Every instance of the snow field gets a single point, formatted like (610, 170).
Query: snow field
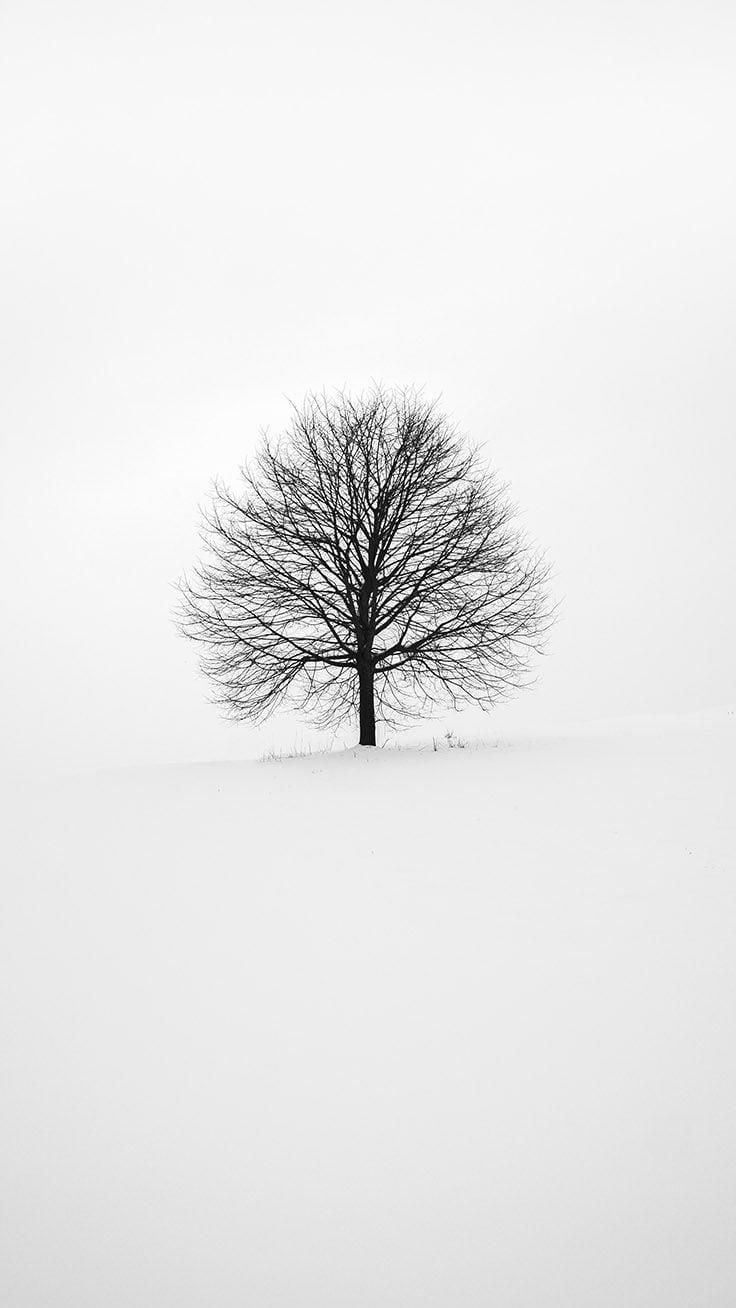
(378, 1029)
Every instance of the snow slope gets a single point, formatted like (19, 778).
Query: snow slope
(381, 1029)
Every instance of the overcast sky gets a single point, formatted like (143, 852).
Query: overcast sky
(207, 208)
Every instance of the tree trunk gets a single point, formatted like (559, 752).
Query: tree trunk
(367, 706)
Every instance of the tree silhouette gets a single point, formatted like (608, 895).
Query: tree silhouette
(367, 566)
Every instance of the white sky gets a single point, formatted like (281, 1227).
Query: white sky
(209, 207)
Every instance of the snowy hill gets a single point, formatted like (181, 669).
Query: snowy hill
(378, 1029)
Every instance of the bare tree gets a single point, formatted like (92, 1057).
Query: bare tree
(367, 566)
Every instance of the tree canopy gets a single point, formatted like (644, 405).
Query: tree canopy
(368, 566)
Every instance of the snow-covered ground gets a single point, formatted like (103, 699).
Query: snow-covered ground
(378, 1029)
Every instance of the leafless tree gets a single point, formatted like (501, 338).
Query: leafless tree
(367, 566)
